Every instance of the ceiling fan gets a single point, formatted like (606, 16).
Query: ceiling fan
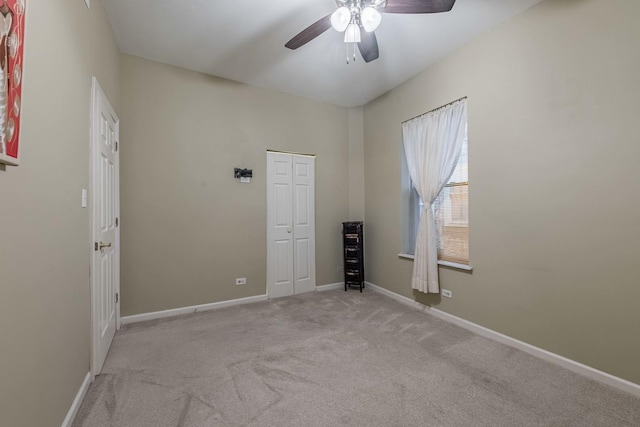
(352, 16)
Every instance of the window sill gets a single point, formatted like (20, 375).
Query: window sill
(455, 265)
(443, 263)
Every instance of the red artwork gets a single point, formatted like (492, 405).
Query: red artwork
(11, 55)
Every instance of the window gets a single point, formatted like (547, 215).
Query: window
(452, 213)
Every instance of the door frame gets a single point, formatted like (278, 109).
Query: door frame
(96, 95)
(270, 255)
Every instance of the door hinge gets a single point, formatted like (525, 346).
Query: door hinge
(116, 145)
(117, 221)
(117, 297)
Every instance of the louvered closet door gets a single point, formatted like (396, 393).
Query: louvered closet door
(290, 224)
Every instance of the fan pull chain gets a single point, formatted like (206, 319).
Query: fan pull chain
(349, 54)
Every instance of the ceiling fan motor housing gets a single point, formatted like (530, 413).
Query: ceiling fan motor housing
(361, 4)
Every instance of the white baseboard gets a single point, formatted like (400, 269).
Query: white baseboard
(404, 300)
(75, 406)
(330, 287)
(572, 365)
(126, 320)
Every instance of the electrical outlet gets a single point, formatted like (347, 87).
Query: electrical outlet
(447, 293)
(341, 269)
(241, 281)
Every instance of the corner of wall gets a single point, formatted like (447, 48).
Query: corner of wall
(356, 163)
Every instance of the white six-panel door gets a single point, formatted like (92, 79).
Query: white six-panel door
(279, 225)
(290, 224)
(304, 248)
(105, 266)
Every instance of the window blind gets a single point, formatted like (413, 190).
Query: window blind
(452, 214)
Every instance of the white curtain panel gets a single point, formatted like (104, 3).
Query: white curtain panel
(432, 144)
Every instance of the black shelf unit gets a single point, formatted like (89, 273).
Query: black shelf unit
(353, 242)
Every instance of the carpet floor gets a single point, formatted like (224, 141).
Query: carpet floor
(335, 358)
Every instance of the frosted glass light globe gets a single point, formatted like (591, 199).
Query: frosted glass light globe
(352, 35)
(370, 19)
(340, 19)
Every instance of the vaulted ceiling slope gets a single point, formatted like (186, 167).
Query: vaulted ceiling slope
(243, 40)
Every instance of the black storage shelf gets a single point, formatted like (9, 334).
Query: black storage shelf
(352, 238)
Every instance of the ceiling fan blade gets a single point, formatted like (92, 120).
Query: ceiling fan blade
(310, 33)
(368, 46)
(418, 6)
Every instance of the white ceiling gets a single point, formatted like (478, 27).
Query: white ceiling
(243, 40)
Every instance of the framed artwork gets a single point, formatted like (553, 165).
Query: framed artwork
(11, 55)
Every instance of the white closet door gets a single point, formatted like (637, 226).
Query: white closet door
(279, 221)
(290, 224)
(304, 253)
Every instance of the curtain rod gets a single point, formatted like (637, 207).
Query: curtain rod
(435, 109)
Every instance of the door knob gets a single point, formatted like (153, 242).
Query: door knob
(289, 230)
(104, 245)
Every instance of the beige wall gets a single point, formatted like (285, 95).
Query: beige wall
(188, 227)
(44, 249)
(554, 178)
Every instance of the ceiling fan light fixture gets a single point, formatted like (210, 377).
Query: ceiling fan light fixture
(352, 34)
(370, 19)
(355, 14)
(340, 19)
